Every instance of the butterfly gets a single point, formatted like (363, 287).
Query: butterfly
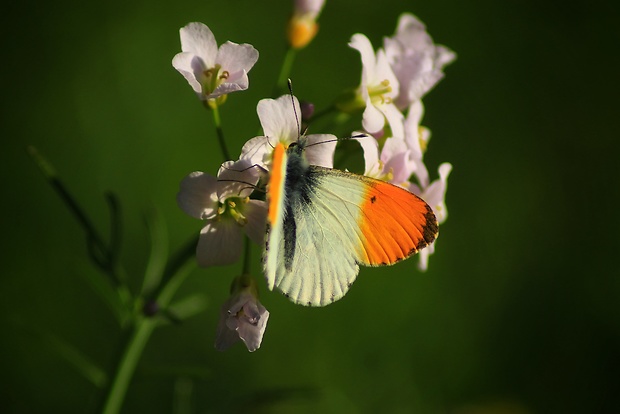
(323, 223)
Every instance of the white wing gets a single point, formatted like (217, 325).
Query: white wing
(322, 264)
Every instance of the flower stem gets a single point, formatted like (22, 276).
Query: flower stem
(247, 255)
(176, 273)
(285, 71)
(220, 133)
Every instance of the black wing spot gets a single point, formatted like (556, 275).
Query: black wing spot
(373, 199)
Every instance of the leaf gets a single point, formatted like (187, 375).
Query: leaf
(114, 298)
(189, 306)
(159, 252)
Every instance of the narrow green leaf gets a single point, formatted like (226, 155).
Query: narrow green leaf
(189, 306)
(159, 252)
(80, 362)
(114, 298)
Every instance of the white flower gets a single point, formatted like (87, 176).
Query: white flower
(280, 122)
(224, 204)
(210, 71)
(378, 89)
(435, 196)
(242, 317)
(416, 139)
(416, 61)
(393, 164)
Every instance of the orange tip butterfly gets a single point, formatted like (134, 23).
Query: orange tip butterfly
(322, 223)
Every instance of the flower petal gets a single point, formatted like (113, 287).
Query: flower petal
(252, 334)
(363, 45)
(185, 63)
(198, 39)
(424, 255)
(370, 147)
(236, 58)
(256, 213)
(236, 179)
(372, 120)
(395, 119)
(257, 151)
(395, 156)
(220, 243)
(278, 118)
(197, 196)
(435, 194)
(225, 337)
(320, 149)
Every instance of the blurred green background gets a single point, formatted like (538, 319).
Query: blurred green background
(518, 312)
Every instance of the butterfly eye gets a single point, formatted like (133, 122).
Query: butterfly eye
(292, 145)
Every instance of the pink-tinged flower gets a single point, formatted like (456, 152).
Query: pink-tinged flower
(416, 140)
(302, 26)
(378, 89)
(435, 196)
(393, 164)
(210, 71)
(416, 61)
(242, 316)
(224, 204)
(280, 121)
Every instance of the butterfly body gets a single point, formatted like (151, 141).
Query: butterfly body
(323, 223)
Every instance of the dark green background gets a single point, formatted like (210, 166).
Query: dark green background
(518, 312)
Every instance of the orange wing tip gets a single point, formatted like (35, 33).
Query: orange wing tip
(430, 231)
(396, 224)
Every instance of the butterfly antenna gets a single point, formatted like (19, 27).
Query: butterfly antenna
(290, 90)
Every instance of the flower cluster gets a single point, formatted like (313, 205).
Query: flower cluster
(393, 81)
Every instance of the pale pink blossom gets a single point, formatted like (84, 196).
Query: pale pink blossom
(415, 59)
(393, 164)
(378, 89)
(224, 204)
(280, 121)
(242, 316)
(435, 197)
(213, 72)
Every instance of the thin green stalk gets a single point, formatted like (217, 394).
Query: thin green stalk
(247, 256)
(142, 330)
(220, 133)
(285, 71)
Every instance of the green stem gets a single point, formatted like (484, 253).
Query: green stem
(142, 331)
(285, 71)
(247, 255)
(220, 132)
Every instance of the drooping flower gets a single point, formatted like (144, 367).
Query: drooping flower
(242, 316)
(435, 196)
(416, 61)
(280, 121)
(302, 26)
(224, 204)
(211, 72)
(378, 89)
